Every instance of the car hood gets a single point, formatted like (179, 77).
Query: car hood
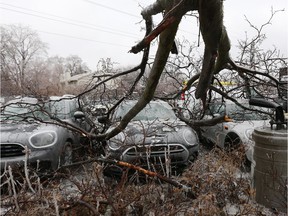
(152, 127)
(11, 132)
(244, 125)
(153, 132)
(17, 128)
(15, 133)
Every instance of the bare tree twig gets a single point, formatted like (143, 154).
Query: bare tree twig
(134, 167)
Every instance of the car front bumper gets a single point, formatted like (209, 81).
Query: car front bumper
(35, 158)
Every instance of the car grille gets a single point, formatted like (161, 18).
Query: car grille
(176, 152)
(154, 150)
(11, 150)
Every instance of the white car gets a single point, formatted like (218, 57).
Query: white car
(239, 130)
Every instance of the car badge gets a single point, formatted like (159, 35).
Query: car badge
(156, 140)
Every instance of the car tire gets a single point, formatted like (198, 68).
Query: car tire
(66, 156)
(207, 143)
(193, 157)
(232, 142)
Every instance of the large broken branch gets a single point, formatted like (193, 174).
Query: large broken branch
(195, 124)
(170, 17)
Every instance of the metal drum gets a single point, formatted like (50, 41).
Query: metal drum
(270, 174)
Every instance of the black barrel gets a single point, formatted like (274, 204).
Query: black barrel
(270, 174)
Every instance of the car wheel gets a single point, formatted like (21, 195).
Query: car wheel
(66, 156)
(207, 143)
(232, 141)
(246, 166)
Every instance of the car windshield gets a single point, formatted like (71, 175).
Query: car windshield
(19, 111)
(154, 110)
(237, 113)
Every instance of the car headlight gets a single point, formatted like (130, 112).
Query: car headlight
(190, 137)
(43, 139)
(117, 141)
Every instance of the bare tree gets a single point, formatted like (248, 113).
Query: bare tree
(20, 46)
(55, 67)
(75, 65)
(25, 69)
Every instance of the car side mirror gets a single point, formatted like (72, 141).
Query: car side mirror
(79, 115)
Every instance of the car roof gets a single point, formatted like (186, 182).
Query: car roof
(133, 102)
(33, 100)
(62, 97)
(28, 100)
(152, 101)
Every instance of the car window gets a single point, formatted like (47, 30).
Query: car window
(151, 112)
(22, 109)
(19, 111)
(239, 114)
(236, 112)
(62, 109)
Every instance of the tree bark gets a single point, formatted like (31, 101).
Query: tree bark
(165, 45)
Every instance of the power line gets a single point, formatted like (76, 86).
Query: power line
(113, 9)
(124, 12)
(79, 38)
(93, 27)
(64, 35)
(82, 24)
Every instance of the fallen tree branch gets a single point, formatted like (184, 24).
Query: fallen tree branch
(174, 14)
(206, 122)
(149, 173)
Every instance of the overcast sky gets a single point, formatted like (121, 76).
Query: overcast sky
(94, 29)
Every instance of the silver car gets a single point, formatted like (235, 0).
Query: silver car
(43, 134)
(153, 137)
(231, 134)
